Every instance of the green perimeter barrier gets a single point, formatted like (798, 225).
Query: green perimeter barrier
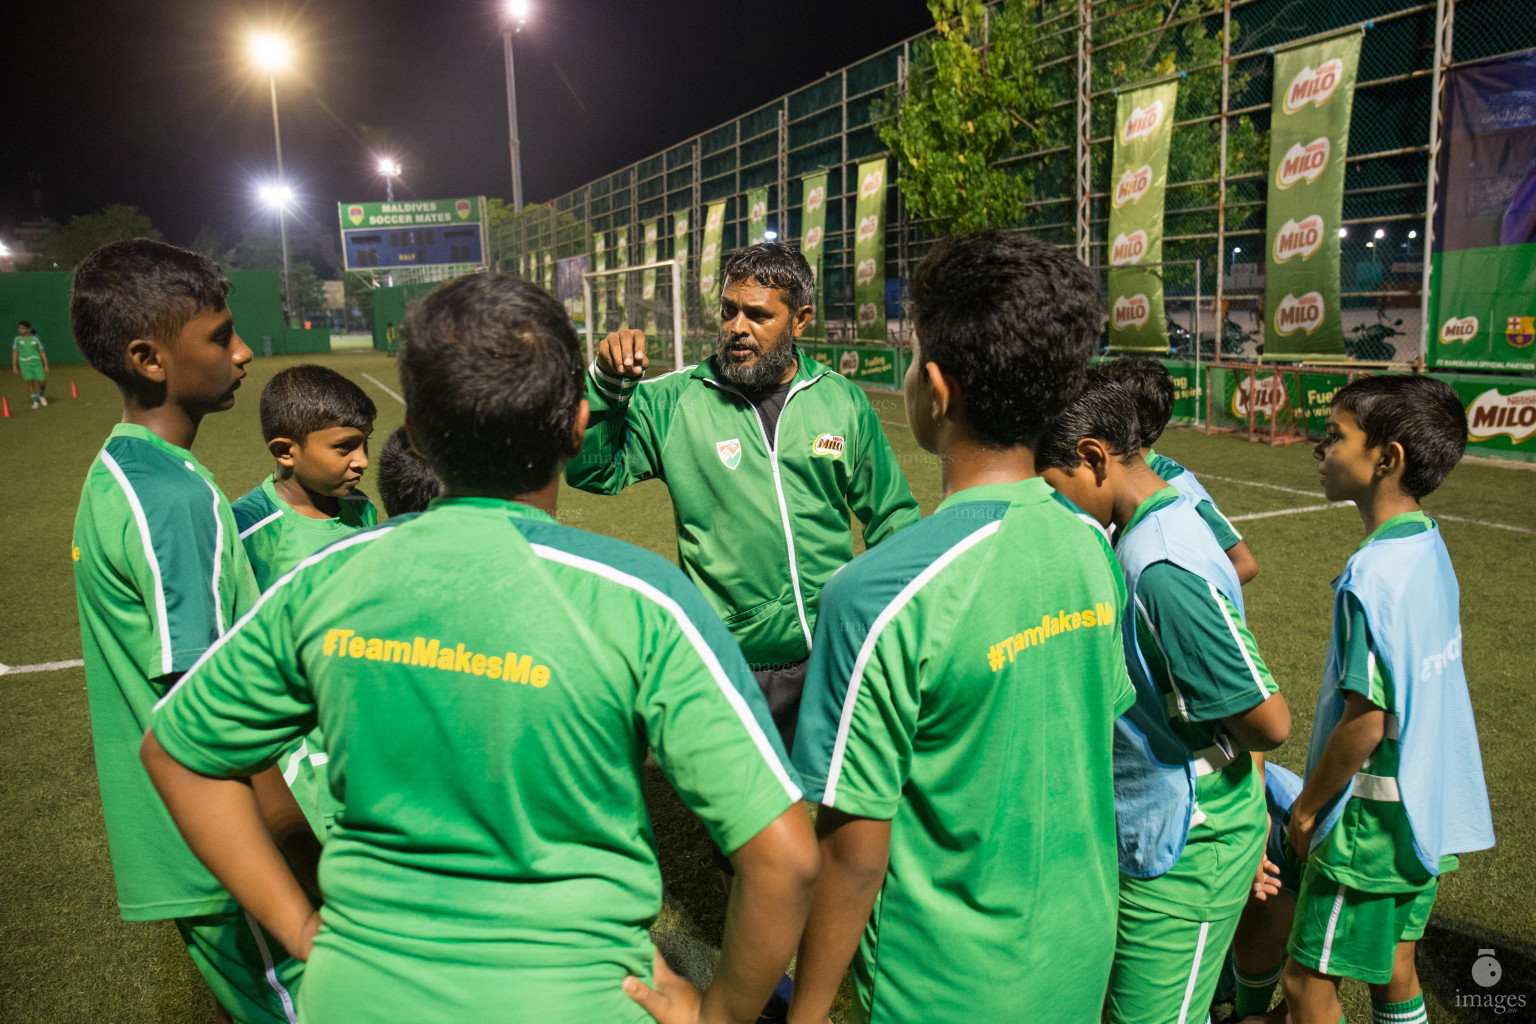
(299, 340)
(42, 298)
(1501, 410)
(389, 307)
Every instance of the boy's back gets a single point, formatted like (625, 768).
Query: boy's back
(489, 682)
(158, 576)
(968, 676)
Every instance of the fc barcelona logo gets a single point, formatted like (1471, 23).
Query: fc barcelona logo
(1520, 331)
(729, 452)
(462, 209)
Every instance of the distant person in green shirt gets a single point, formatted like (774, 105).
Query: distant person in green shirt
(391, 338)
(29, 360)
(159, 576)
(966, 677)
(1151, 386)
(406, 482)
(489, 683)
(316, 424)
(1189, 786)
(1394, 787)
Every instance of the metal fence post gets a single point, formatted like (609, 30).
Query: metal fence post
(1197, 336)
(1221, 191)
(1084, 126)
(1445, 17)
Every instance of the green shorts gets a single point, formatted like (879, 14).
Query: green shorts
(31, 369)
(1346, 933)
(1166, 968)
(251, 974)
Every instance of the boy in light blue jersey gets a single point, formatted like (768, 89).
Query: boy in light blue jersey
(1394, 786)
(1151, 386)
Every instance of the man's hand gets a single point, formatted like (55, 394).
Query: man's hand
(674, 1000)
(303, 944)
(1300, 832)
(622, 354)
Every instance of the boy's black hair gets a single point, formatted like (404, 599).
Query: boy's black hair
(1420, 413)
(1151, 386)
(138, 288)
(1102, 410)
(24, 323)
(773, 265)
(405, 482)
(1014, 321)
(303, 399)
(491, 370)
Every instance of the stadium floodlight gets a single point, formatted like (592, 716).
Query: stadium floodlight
(3, 250)
(278, 196)
(517, 15)
(270, 51)
(390, 169)
(1381, 233)
(1343, 232)
(770, 235)
(517, 10)
(1236, 249)
(1370, 245)
(1413, 234)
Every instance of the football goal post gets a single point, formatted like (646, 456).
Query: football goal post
(636, 299)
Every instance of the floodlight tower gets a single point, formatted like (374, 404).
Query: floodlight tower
(271, 53)
(390, 169)
(516, 16)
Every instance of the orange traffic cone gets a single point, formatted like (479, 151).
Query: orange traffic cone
(5, 408)
(73, 393)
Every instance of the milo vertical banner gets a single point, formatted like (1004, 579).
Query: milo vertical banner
(813, 223)
(549, 271)
(648, 277)
(1309, 137)
(621, 260)
(869, 251)
(599, 322)
(680, 247)
(757, 216)
(709, 259)
(1143, 130)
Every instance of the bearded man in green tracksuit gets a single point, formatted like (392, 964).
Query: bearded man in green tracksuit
(765, 452)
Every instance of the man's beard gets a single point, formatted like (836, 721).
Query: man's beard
(766, 371)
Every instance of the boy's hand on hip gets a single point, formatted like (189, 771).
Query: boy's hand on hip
(622, 354)
(1300, 832)
(674, 1000)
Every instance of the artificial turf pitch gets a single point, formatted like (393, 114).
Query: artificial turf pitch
(66, 957)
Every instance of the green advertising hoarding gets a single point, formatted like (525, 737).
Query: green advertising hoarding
(648, 277)
(813, 224)
(709, 259)
(757, 216)
(876, 366)
(869, 251)
(599, 322)
(1484, 308)
(1143, 130)
(1314, 90)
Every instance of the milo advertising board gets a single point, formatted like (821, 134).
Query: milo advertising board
(876, 366)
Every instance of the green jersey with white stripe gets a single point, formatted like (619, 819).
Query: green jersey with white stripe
(1226, 534)
(1371, 847)
(277, 537)
(27, 348)
(1206, 664)
(488, 683)
(159, 575)
(964, 685)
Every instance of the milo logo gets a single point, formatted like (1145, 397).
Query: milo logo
(1492, 414)
(1299, 239)
(680, 228)
(818, 195)
(706, 283)
(710, 251)
(830, 445)
(867, 314)
(1133, 184)
(864, 272)
(1259, 397)
(714, 219)
(1128, 248)
(759, 211)
(1130, 311)
(651, 232)
(868, 226)
(1299, 314)
(355, 214)
(848, 364)
(1143, 121)
(1459, 329)
(813, 237)
(1303, 163)
(461, 208)
(1314, 85)
(870, 186)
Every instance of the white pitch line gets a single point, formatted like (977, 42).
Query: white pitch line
(1259, 483)
(47, 666)
(1290, 511)
(1484, 522)
(1313, 494)
(387, 390)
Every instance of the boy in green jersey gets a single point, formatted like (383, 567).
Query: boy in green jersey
(316, 424)
(965, 680)
(1394, 787)
(1189, 797)
(159, 576)
(488, 683)
(29, 360)
(1149, 383)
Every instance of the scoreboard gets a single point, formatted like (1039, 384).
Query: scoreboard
(412, 233)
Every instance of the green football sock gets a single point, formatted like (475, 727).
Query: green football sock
(1255, 991)
(1409, 1011)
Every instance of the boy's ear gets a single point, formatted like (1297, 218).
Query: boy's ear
(146, 357)
(282, 449)
(578, 430)
(1391, 461)
(945, 391)
(1096, 456)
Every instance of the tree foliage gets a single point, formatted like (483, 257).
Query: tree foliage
(87, 232)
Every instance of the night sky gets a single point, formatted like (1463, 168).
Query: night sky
(154, 103)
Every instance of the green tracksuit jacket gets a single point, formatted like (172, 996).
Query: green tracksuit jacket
(759, 530)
